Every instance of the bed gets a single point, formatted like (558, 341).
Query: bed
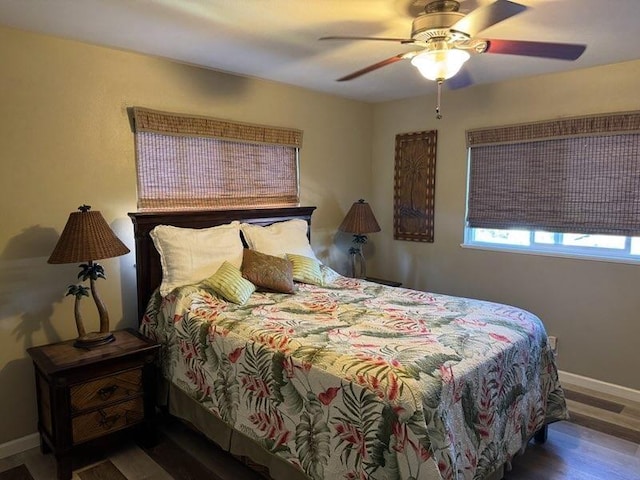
(346, 378)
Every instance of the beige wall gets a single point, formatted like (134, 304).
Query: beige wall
(592, 307)
(65, 140)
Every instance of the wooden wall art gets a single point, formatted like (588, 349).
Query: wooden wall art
(415, 186)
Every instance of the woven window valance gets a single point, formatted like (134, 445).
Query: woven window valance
(176, 124)
(578, 175)
(192, 162)
(593, 125)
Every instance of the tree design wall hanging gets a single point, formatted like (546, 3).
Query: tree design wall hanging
(415, 186)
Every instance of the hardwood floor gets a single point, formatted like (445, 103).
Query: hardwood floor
(602, 442)
(574, 452)
(618, 417)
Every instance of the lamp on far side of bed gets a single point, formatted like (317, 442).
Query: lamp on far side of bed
(87, 237)
(359, 220)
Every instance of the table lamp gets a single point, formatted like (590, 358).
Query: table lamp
(359, 221)
(87, 237)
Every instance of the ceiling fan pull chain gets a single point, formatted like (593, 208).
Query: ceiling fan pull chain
(438, 114)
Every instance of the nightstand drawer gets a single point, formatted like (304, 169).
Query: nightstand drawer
(106, 390)
(106, 420)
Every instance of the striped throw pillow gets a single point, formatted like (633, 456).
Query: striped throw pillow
(305, 269)
(229, 284)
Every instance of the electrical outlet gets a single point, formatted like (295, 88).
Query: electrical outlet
(553, 343)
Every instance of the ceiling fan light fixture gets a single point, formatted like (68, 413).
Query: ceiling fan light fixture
(438, 65)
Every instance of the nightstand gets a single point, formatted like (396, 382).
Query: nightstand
(382, 281)
(86, 394)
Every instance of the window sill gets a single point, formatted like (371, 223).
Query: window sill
(546, 253)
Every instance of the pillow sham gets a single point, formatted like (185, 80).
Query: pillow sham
(279, 238)
(188, 255)
(268, 272)
(306, 270)
(229, 284)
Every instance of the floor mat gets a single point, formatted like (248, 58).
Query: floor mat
(103, 471)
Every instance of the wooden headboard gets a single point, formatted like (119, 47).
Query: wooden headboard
(148, 267)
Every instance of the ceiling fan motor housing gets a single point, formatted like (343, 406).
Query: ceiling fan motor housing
(434, 25)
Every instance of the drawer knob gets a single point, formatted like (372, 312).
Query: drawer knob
(106, 392)
(107, 422)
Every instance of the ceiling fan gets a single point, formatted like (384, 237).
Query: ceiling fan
(446, 38)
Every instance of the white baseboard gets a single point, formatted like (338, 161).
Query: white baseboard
(19, 445)
(599, 386)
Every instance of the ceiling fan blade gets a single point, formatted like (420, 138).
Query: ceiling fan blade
(381, 39)
(484, 17)
(560, 51)
(461, 79)
(373, 67)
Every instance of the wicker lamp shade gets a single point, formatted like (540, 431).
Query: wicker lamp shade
(86, 237)
(359, 219)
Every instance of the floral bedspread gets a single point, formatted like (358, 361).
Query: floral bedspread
(359, 380)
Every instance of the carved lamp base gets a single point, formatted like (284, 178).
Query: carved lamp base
(94, 339)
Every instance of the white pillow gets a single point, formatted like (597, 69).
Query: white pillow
(279, 238)
(189, 255)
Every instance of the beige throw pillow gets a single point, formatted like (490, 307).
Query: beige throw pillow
(279, 238)
(189, 255)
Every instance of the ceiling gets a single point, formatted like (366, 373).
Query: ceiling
(278, 39)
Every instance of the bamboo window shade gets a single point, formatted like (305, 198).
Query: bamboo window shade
(574, 175)
(192, 162)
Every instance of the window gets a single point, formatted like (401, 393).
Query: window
(612, 247)
(568, 186)
(187, 162)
